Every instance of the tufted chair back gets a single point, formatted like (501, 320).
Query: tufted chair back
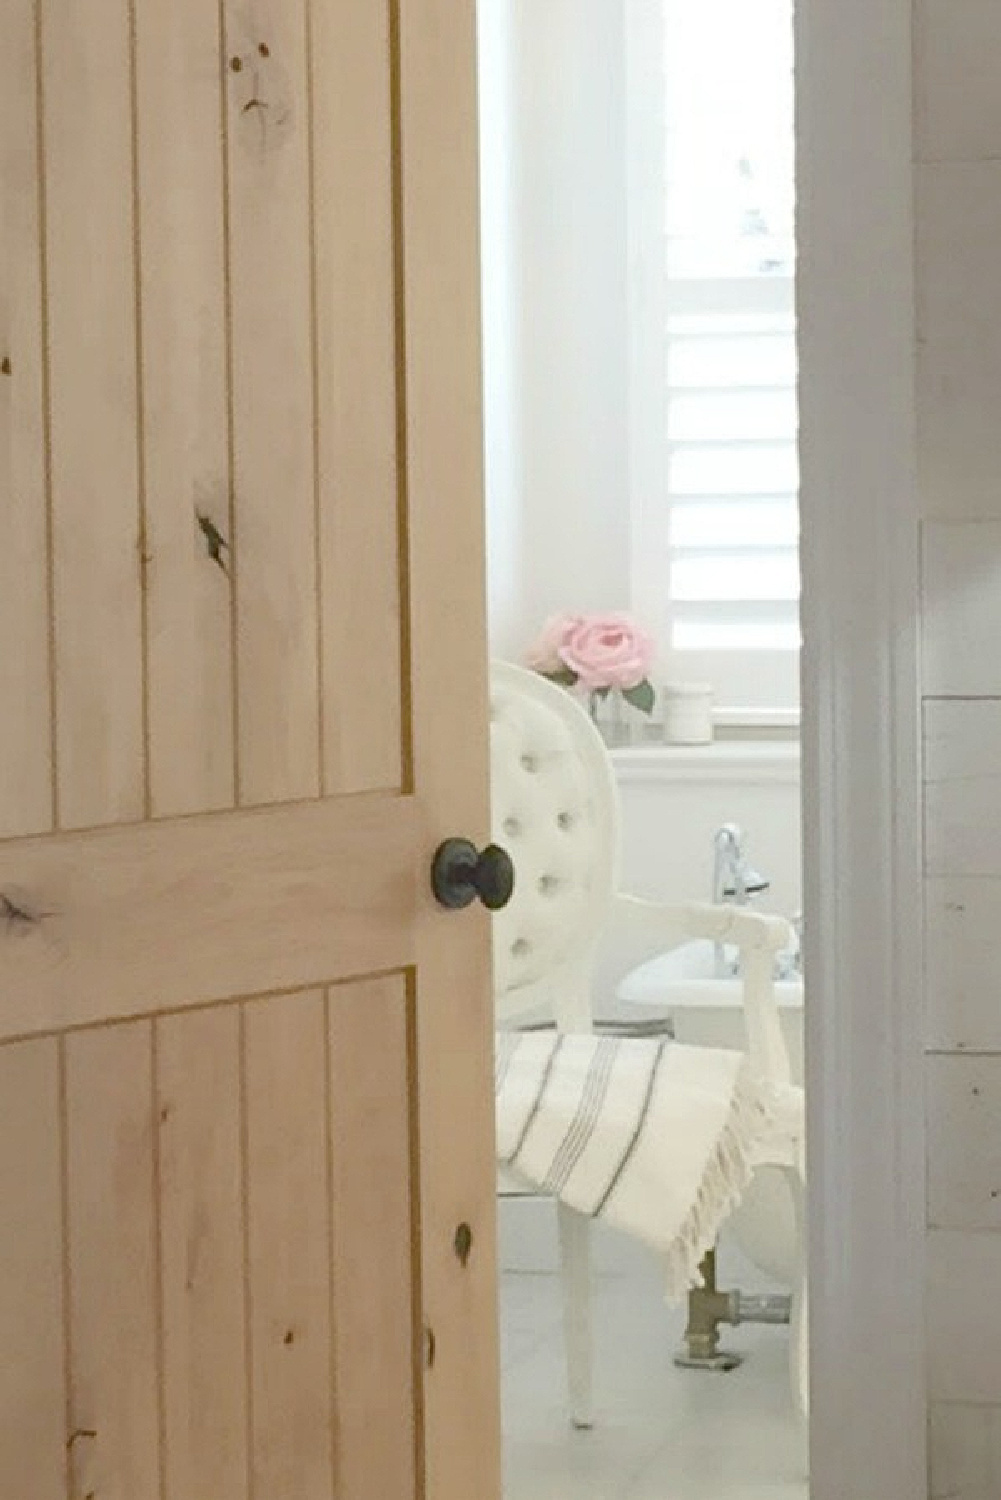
(555, 810)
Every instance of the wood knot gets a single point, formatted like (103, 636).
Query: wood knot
(463, 1243)
(215, 543)
(17, 915)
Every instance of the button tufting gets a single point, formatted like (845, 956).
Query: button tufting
(565, 820)
(512, 827)
(519, 947)
(548, 885)
(530, 762)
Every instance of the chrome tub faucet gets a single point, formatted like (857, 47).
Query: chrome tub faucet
(735, 880)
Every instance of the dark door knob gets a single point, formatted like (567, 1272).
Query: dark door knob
(460, 873)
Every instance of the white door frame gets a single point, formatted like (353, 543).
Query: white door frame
(861, 750)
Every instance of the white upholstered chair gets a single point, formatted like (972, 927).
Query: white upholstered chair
(555, 810)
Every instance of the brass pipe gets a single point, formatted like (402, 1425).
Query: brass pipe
(709, 1309)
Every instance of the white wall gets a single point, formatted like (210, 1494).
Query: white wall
(673, 801)
(958, 188)
(555, 329)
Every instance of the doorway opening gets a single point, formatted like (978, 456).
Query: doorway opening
(641, 441)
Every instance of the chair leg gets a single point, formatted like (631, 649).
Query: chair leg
(574, 1232)
(799, 1351)
(799, 1342)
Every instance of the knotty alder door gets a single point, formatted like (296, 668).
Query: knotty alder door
(245, 1098)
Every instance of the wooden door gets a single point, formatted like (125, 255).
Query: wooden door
(245, 1098)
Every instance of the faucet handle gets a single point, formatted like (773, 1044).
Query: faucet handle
(729, 835)
(746, 882)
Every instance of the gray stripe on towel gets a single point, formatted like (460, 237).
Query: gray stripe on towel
(634, 1139)
(582, 1126)
(506, 1044)
(510, 1161)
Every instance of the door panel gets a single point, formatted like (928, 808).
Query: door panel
(362, 487)
(271, 291)
(372, 1105)
(181, 173)
(110, 1250)
(94, 413)
(197, 1116)
(288, 1244)
(25, 706)
(32, 1392)
(237, 1239)
(245, 1060)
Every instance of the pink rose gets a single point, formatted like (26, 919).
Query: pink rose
(544, 655)
(607, 651)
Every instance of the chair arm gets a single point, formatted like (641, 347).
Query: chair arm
(784, 1143)
(758, 937)
(672, 923)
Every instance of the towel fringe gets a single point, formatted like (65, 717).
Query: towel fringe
(727, 1176)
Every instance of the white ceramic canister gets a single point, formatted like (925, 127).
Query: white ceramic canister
(687, 712)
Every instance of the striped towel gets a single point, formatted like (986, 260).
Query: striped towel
(656, 1138)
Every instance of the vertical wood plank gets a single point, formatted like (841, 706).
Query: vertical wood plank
(448, 667)
(181, 212)
(372, 1253)
(201, 1239)
(95, 478)
(32, 1398)
(113, 1359)
(275, 540)
(25, 764)
(357, 398)
(288, 1246)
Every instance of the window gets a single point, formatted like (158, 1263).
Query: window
(713, 356)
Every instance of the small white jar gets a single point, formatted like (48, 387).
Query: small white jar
(687, 712)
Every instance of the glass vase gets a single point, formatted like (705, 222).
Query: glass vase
(608, 716)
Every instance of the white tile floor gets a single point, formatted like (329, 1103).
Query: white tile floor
(661, 1433)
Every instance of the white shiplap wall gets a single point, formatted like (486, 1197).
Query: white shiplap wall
(958, 197)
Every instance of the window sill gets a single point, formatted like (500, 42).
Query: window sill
(752, 761)
(757, 718)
